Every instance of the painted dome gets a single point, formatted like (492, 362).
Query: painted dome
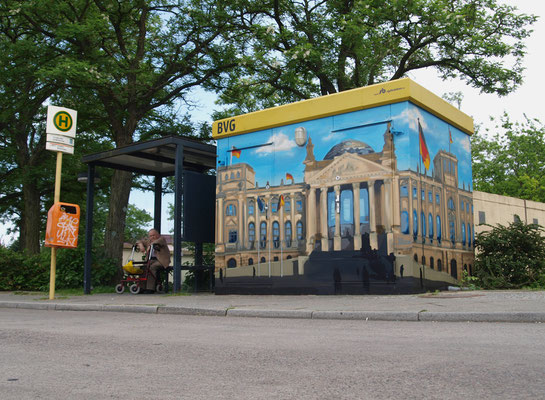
(348, 146)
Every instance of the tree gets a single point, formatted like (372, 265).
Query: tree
(510, 162)
(134, 57)
(22, 139)
(137, 218)
(511, 257)
(293, 50)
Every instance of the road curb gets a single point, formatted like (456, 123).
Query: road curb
(130, 308)
(78, 307)
(191, 311)
(239, 312)
(367, 315)
(424, 316)
(527, 317)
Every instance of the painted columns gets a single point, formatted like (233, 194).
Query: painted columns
(311, 220)
(323, 218)
(357, 232)
(220, 221)
(372, 215)
(337, 236)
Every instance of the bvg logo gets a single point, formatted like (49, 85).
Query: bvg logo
(226, 126)
(62, 121)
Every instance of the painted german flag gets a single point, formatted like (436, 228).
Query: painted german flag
(289, 176)
(235, 152)
(281, 201)
(423, 147)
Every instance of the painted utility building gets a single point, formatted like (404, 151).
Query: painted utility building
(364, 191)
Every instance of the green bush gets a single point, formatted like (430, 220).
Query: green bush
(511, 257)
(21, 271)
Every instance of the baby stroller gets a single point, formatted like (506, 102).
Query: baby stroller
(136, 274)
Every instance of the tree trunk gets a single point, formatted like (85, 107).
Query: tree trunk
(115, 224)
(30, 219)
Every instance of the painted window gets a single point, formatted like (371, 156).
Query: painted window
(233, 236)
(331, 209)
(231, 210)
(364, 206)
(404, 191)
(438, 228)
(430, 197)
(422, 194)
(299, 227)
(423, 223)
(468, 235)
(287, 205)
(414, 193)
(274, 205)
(450, 204)
(415, 223)
(276, 234)
(251, 208)
(251, 232)
(299, 205)
(347, 207)
(463, 234)
(405, 222)
(438, 199)
(430, 226)
(287, 233)
(452, 231)
(263, 235)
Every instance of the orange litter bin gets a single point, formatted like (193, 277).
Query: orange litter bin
(62, 226)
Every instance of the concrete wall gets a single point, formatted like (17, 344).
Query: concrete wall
(502, 210)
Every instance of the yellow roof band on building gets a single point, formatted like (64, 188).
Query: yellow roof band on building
(351, 100)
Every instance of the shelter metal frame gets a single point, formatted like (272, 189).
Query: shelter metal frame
(168, 156)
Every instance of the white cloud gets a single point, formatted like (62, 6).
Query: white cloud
(410, 116)
(466, 144)
(280, 141)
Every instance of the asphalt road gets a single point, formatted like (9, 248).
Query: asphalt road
(98, 355)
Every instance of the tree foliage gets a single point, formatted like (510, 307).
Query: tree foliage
(511, 256)
(293, 50)
(511, 162)
(124, 62)
(137, 220)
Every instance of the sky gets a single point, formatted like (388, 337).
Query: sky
(527, 99)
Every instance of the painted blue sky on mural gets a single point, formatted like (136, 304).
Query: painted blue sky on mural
(273, 152)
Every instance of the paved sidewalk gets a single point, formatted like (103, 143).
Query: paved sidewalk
(477, 306)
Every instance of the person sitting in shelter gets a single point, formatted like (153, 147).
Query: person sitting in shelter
(158, 253)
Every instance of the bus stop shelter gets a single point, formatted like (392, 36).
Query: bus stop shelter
(188, 161)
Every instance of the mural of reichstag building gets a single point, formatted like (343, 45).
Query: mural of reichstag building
(345, 218)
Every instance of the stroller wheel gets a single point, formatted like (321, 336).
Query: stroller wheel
(135, 289)
(160, 289)
(119, 288)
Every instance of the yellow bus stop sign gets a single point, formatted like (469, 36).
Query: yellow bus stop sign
(63, 121)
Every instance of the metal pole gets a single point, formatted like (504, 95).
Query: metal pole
(56, 199)
(157, 203)
(89, 229)
(178, 182)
